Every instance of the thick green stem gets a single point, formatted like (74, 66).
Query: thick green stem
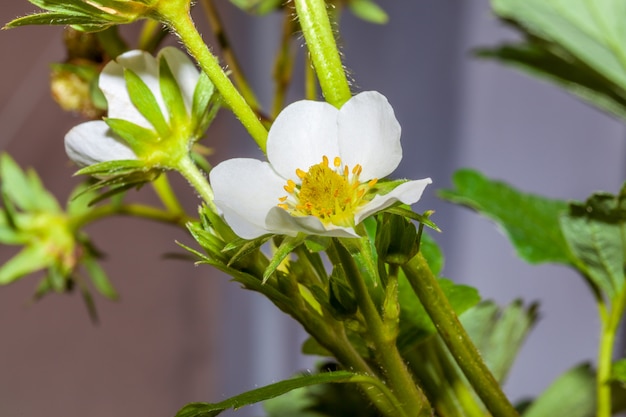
(183, 25)
(438, 307)
(396, 372)
(321, 43)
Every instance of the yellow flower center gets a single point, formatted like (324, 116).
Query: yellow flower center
(332, 194)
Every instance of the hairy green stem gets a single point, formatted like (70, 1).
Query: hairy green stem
(396, 372)
(468, 358)
(321, 44)
(229, 55)
(135, 210)
(183, 25)
(198, 181)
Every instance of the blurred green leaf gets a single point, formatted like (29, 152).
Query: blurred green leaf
(530, 221)
(499, 333)
(30, 259)
(25, 189)
(619, 370)
(578, 44)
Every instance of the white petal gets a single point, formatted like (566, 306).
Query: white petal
(369, 135)
(302, 133)
(113, 85)
(408, 193)
(281, 222)
(93, 142)
(245, 190)
(184, 71)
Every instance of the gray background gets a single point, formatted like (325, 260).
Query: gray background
(184, 334)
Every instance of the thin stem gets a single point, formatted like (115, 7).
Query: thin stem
(468, 358)
(321, 43)
(283, 67)
(183, 25)
(135, 210)
(310, 81)
(151, 36)
(215, 22)
(166, 194)
(400, 380)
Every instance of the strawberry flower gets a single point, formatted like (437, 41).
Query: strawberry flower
(323, 171)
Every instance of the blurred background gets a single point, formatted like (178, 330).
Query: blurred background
(182, 333)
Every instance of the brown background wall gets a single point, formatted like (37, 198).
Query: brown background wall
(151, 352)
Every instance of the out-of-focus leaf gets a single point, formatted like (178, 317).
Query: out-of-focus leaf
(530, 221)
(499, 333)
(595, 233)
(368, 11)
(29, 259)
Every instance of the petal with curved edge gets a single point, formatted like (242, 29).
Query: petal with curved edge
(113, 85)
(245, 190)
(93, 142)
(369, 135)
(302, 133)
(408, 193)
(281, 222)
(184, 71)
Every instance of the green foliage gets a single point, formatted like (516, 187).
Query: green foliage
(619, 371)
(499, 333)
(51, 242)
(530, 221)
(368, 11)
(578, 44)
(267, 392)
(596, 233)
(88, 16)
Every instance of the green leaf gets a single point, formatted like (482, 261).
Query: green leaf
(368, 11)
(415, 323)
(552, 63)
(146, 103)
(499, 334)
(432, 253)
(619, 371)
(530, 221)
(267, 392)
(25, 190)
(582, 37)
(573, 394)
(64, 19)
(202, 112)
(594, 231)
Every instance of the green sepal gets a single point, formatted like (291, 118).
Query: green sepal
(172, 96)
(368, 11)
(138, 138)
(530, 221)
(99, 278)
(406, 212)
(244, 247)
(269, 391)
(30, 259)
(25, 190)
(118, 167)
(203, 111)
(396, 239)
(287, 246)
(146, 103)
(341, 297)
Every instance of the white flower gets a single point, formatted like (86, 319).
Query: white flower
(94, 142)
(322, 174)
